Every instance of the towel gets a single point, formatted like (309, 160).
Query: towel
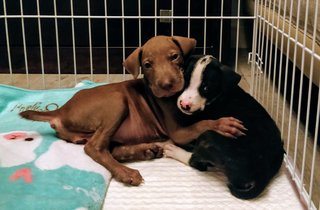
(37, 169)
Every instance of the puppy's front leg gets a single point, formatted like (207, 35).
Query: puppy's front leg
(226, 126)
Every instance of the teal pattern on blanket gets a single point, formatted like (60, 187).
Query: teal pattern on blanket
(38, 170)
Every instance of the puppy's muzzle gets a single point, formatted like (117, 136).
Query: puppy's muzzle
(185, 105)
(166, 85)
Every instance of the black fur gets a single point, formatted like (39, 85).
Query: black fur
(250, 161)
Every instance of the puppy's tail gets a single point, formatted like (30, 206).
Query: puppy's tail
(38, 116)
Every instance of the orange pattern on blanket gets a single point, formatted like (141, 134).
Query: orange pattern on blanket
(24, 173)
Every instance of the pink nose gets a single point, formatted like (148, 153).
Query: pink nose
(185, 105)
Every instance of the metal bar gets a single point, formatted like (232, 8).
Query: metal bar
(265, 76)
(90, 40)
(73, 45)
(237, 38)
(264, 49)
(189, 11)
(300, 97)
(130, 17)
(24, 44)
(292, 90)
(107, 42)
(280, 67)
(270, 61)
(172, 11)
(316, 139)
(40, 46)
(255, 51)
(155, 17)
(286, 82)
(139, 13)
(123, 39)
(260, 52)
(221, 31)
(57, 41)
(7, 41)
(275, 65)
(254, 47)
(205, 28)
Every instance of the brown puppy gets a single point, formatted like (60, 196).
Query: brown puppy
(134, 111)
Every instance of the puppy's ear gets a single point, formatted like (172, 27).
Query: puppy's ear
(132, 63)
(187, 45)
(230, 77)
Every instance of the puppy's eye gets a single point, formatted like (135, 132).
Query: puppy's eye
(174, 57)
(147, 65)
(205, 89)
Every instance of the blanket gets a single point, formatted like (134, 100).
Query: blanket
(38, 170)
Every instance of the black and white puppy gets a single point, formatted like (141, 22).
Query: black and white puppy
(250, 161)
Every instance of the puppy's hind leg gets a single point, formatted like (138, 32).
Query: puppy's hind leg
(98, 146)
(98, 150)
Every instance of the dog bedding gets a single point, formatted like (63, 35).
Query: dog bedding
(171, 185)
(38, 170)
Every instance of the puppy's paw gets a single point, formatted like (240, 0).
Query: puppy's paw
(229, 127)
(170, 150)
(128, 176)
(154, 151)
(177, 153)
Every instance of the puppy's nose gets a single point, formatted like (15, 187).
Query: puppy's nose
(166, 85)
(185, 105)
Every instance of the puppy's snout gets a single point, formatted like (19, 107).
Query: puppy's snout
(185, 105)
(166, 85)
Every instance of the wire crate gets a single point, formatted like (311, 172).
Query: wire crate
(273, 44)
